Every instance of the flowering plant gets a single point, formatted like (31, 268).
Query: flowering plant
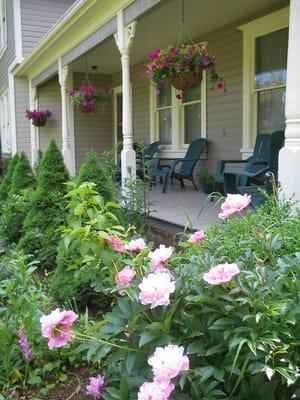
(88, 98)
(38, 118)
(183, 66)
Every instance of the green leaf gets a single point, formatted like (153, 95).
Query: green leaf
(124, 388)
(147, 337)
(130, 361)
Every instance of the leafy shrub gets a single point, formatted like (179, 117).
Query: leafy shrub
(6, 183)
(84, 258)
(241, 333)
(47, 209)
(92, 171)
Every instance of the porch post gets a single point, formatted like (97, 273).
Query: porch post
(34, 133)
(67, 118)
(289, 156)
(124, 38)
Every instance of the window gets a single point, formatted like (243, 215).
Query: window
(265, 43)
(270, 80)
(3, 29)
(191, 114)
(4, 125)
(174, 122)
(163, 112)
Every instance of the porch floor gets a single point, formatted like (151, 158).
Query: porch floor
(182, 207)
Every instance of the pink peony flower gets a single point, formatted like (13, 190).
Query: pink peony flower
(156, 289)
(135, 246)
(125, 276)
(168, 362)
(116, 244)
(160, 255)
(233, 204)
(57, 327)
(27, 352)
(222, 273)
(197, 237)
(95, 387)
(155, 391)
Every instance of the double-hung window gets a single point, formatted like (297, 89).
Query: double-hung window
(4, 124)
(264, 76)
(3, 27)
(178, 118)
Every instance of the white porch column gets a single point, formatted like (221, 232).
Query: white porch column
(124, 38)
(289, 156)
(68, 152)
(34, 133)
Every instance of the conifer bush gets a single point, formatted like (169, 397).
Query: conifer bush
(16, 205)
(92, 171)
(6, 183)
(47, 209)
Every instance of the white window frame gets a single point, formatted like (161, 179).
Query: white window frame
(3, 25)
(252, 30)
(5, 133)
(177, 148)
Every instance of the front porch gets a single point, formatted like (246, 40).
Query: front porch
(182, 208)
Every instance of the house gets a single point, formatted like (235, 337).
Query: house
(49, 46)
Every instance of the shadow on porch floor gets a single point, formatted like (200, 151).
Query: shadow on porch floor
(178, 207)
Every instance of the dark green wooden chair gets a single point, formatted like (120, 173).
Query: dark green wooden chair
(236, 181)
(166, 168)
(143, 164)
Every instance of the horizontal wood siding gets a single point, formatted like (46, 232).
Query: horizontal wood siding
(224, 110)
(38, 16)
(22, 123)
(49, 98)
(140, 102)
(92, 132)
(9, 54)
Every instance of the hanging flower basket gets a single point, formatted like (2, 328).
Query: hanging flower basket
(183, 66)
(187, 81)
(38, 118)
(90, 100)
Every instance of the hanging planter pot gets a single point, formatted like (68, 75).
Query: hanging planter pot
(186, 81)
(183, 66)
(88, 99)
(38, 118)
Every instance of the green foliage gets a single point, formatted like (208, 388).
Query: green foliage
(92, 171)
(241, 337)
(6, 183)
(84, 257)
(16, 205)
(47, 209)
(205, 176)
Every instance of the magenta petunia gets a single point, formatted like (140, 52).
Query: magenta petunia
(222, 273)
(57, 327)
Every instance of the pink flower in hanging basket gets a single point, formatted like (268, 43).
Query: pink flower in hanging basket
(38, 118)
(89, 99)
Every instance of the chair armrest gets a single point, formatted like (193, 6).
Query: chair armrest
(246, 174)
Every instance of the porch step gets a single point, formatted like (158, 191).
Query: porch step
(165, 226)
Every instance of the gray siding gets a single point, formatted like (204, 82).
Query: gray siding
(92, 132)
(49, 98)
(9, 54)
(38, 16)
(224, 110)
(22, 123)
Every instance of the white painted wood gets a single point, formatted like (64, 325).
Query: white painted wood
(33, 129)
(12, 113)
(68, 150)
(289, 156)
(124, 38)
(18, 31)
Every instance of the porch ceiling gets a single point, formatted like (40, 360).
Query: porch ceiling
(160, 28)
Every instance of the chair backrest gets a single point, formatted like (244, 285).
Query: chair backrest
(151, 150)
(194, 151)
(277, 142)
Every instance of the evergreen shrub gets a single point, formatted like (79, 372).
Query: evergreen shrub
(47, 209)
(6, 183)
(16, 206)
